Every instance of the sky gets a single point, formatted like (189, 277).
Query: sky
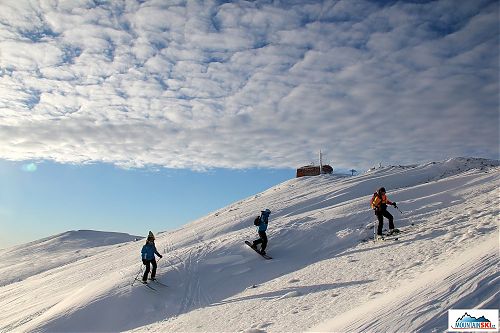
(206, 89)
(46, 198)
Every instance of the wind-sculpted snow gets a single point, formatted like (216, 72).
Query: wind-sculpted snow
(321, 270)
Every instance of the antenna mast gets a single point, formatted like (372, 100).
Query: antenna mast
(320, 163)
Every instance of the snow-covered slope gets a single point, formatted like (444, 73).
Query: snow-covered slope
(322, 278)
(20, 262)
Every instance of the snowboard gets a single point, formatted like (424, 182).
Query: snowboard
(265, 256)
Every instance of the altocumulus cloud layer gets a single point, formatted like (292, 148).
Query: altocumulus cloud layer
(201, 84)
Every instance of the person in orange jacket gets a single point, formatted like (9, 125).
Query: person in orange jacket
(379, 205)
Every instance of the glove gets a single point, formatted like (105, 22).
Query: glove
(161, 256)
(144, 261)
(394, 204)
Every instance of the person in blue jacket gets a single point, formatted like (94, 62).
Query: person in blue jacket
(264, 220)
(148, 257)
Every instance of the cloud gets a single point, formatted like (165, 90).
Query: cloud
(248, 84)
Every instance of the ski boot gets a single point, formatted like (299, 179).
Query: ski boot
(393, 232)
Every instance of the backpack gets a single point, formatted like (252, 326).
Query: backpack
(373, 198)
(256, 222)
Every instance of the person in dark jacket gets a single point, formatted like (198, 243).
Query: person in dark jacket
(379, 205)
(148, 257)
(262, 227)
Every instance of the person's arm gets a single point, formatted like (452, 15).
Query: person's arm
(157, 253)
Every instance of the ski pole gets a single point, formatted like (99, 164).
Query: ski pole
(140, 271)
(374, 230)
(395, 206)
(157, 261)
(374, 233)
(168, 263)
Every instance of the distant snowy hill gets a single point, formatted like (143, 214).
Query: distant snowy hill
(20, 262)
(322, 278)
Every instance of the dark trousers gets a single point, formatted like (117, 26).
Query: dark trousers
(262, 239)
(380, 216)
(146, 272)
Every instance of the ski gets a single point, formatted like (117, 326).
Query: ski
(146, 285)
(158, 282)
(398, 233)
(265, 256)
(385, 237)
(389, 236)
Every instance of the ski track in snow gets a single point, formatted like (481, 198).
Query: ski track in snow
(321, 270)
(194, 296)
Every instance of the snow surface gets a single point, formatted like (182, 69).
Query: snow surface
(322, 277)
(30, 259)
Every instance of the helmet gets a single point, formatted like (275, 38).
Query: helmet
(382, 189)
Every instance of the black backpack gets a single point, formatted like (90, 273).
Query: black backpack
(256, 222)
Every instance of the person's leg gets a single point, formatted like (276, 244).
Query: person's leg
(263, 237)
(390, 218)
(146, 272)
(153, 272)
(257, 241)
(380, 219)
